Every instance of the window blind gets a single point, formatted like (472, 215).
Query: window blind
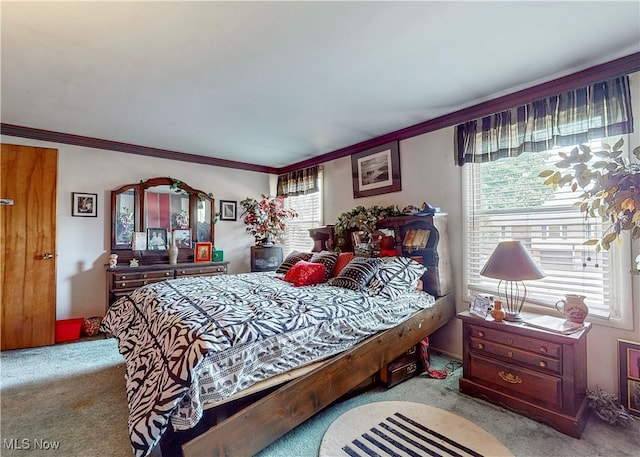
(506, 199)
(309, 209)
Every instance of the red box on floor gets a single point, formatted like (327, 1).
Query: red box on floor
(68, 329)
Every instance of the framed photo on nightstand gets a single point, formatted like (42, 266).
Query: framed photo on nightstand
(629, 355)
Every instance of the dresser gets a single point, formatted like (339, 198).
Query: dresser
(122, 280)
(539, 374)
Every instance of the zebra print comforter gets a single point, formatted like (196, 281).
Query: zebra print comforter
(192, 341)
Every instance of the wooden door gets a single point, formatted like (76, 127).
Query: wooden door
(28, 177)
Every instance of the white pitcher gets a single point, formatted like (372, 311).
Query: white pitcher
(573, 308)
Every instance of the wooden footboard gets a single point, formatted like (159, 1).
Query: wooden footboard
(259, 424)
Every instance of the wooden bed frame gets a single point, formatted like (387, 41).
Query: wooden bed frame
(259, 423)
(248, 425)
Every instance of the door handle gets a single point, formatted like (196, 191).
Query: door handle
(47, 256)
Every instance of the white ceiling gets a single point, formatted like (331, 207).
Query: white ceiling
(276, 83)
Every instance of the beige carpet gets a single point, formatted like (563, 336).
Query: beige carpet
(399, 428)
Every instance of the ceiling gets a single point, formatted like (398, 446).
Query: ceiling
(277, 83)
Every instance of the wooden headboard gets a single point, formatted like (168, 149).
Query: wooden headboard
(435, 255)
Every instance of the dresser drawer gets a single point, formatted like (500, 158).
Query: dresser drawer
(535, 345)
(135, 283)
(533, 360)
(535, 387)
(160, 274)
(208, 270)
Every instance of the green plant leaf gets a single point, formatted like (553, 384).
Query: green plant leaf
(545, 173)
(618, 145)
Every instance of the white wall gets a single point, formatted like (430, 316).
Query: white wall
(83, 243)
(429, 174)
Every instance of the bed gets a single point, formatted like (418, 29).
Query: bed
(210, 360)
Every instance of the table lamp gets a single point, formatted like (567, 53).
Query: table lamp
(511, 264)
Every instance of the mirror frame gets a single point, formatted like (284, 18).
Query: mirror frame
(195, 196)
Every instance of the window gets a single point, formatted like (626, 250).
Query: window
(309, 209)
(507, 200)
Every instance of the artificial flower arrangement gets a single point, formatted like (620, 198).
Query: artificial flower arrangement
(266, 218)
(611, 188)
(361, 218)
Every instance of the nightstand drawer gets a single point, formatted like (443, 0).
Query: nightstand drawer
(532, 386)
(521, 342)
(534, 360)
(163, 274)
(208, 271)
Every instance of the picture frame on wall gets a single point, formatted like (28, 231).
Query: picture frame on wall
(376, 170)
(156, 239)
(629, 362)
(84, 205)
(202, 252)
(228, 210)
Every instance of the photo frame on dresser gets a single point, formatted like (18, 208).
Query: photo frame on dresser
(629, 361)
(202, 252)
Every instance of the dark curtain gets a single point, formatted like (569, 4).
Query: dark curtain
(600, 110)
(300, 182)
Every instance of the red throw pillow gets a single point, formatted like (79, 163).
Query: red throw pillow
(343, 259)
(305, 273)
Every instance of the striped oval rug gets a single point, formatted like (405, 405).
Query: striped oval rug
(406, 429)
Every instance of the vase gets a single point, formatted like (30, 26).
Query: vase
(173, 252)
(497, 312)
(573, 307)
(267, 241)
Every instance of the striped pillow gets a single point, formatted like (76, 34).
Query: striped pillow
(395, 276)
(326, 258)
(357, 274)
(291, 260)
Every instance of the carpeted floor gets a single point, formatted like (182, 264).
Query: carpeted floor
(73, 395)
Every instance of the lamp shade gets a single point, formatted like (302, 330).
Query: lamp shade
(510, 261)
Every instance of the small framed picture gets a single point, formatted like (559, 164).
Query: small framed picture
(481, 305)
(629, 355)
(156, 239)
(228, 210)
(139, 241)
(84, 205)
(202, 252)
(182, 238)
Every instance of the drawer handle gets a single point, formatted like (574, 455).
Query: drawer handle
(510, 378)
(184, 271)
(145, 275)
(411, 368)
(144, 283)
(543, 364)
(480, 346)
(123, 284)
(509, 341)
(123, 277)
(200, 270)
(543, 349)
(167, 273)
(481, 334)
(510, 354)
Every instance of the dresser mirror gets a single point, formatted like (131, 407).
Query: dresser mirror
(162, 203)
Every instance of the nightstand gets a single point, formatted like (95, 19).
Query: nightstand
(539, 374)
